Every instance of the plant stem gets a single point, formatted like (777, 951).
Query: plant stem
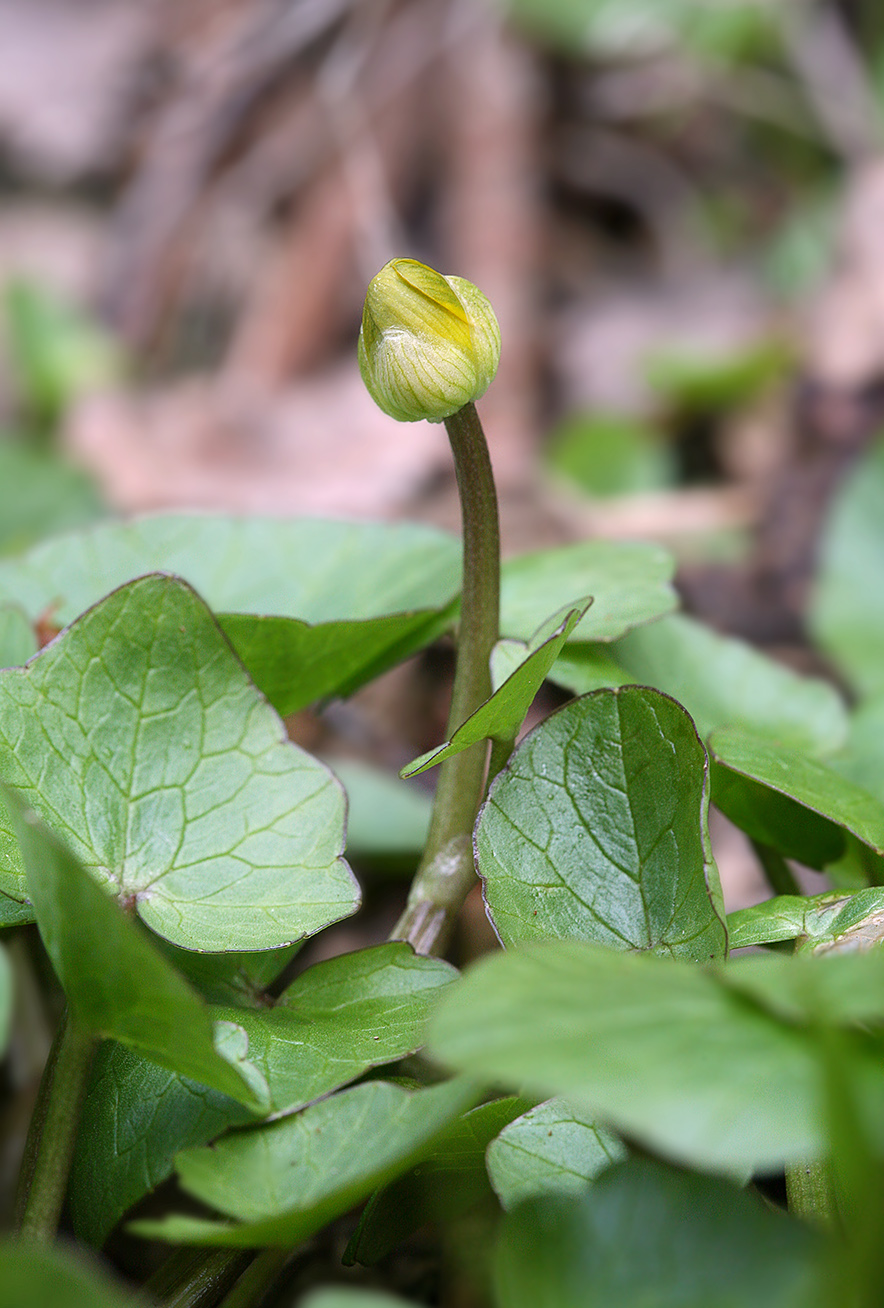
(197, 1278)
(259, 1279)
(53, 1131)
(446, 872)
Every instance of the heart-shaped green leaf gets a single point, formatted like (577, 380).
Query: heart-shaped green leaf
(630, 584)
(117, 984)
(798, 805)
(501, 716)
(718, 1069)
(139, 737)
(597, 830)
(646, 1234)
(552, 1149)
(286, 1179)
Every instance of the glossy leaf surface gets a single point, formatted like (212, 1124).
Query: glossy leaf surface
(829, 921)
(597, 830)
(136, 1117)
(295, 663)
(313, 569)
(337, 1020)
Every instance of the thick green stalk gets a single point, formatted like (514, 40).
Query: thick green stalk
(53, 1133)
(446, 872)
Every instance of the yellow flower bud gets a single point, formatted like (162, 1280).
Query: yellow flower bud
(429, 344)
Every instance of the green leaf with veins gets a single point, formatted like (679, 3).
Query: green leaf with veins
(336, 1021)
(597, 830)
(630, 583)
(798, 805)
(832, 921)
(340, 1018)
(117, 984)
(284, 1180)
(138, 736)
(551, 1149)
(721, 681)
(670, 1054)
(501, 716)
(136, 1116)
(648, 1235)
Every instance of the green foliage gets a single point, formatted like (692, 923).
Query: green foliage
(174, 847)
(688, 1239)
(140, 735)
(41, 493)
(597, 831)
(629, 583)
(727, 29)
(666, 1052)
(551, 1149)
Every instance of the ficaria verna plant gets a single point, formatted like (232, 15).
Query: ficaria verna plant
(603, 1109)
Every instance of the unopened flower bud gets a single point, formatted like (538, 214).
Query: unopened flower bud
(429, 344)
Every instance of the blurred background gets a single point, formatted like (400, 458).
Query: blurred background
(675, 206)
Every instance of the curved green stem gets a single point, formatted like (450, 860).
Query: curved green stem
(446, 872)
(53, 1132)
